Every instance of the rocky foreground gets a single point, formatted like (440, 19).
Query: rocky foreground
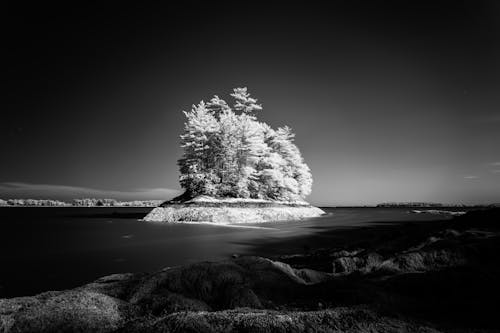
(421, 277)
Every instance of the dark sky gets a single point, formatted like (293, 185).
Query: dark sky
(390, 101)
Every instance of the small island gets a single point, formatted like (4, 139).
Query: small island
(236, 169)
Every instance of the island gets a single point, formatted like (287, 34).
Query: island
(231, 210)
(236, 169)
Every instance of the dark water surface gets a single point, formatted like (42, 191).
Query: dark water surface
(59, 248)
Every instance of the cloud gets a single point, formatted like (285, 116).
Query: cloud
(471, 177)
(493, 166)
(63, 192)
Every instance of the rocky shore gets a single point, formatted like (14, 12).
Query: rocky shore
(414, 277)
(207, 209)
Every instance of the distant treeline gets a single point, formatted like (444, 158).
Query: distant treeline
(429, 204)
(410, 204)
(86, 202)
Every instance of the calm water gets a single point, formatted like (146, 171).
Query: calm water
(58, 248)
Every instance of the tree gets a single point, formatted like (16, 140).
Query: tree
(244, 102)
(228, 153)
(217, 105)
(199, 137)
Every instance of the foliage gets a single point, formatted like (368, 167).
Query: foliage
(85, 202)
(229, 153)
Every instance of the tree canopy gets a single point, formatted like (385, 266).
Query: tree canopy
(229, 153)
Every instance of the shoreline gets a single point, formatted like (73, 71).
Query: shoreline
(318, 206)
(223, 213)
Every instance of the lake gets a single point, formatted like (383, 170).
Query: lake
(48, 248)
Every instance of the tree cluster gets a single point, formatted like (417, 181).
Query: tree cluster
(85, 202)
(33, 202)
(93, 202)
(229, 153)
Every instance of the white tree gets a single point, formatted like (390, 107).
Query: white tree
(244, 102)
(217, 105)
(297, 174)
(196, 165)
(232, 154)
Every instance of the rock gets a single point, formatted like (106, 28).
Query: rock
(241, 320)
(406, 262)
(365, 263)
(169, 302)
(451, 233)
(108, 302)
(345, 253)
(115, 285)
(346, 265)
(228, 214)
(64, 311)
(91, 308)
(242, 282)
(428, 260)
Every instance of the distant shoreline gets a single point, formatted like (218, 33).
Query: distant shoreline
(210, 202)
(77, 206)
(83, 202)
(320, 206)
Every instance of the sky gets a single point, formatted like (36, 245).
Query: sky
(389, 100)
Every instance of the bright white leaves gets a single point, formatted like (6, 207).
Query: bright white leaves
(229, 154)
(244, 102)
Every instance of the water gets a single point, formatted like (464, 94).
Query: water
(59, 248)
